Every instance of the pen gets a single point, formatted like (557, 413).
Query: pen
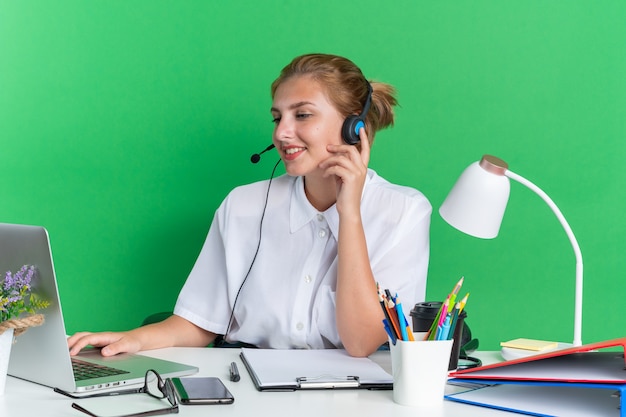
(234, 372)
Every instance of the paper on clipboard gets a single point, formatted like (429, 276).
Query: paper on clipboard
(292, 369)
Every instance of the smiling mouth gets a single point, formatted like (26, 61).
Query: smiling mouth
(292, 151)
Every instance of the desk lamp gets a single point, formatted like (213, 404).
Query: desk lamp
(476, 205)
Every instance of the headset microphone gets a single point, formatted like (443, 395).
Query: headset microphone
(257, 156)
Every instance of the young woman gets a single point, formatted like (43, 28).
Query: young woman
(293, 262)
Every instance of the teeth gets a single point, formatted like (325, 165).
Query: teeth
(291, 151)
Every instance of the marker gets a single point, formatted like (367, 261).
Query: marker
(444, 311)
(445, 328)
(234, 372)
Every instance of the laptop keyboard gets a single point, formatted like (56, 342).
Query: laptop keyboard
(86, 370)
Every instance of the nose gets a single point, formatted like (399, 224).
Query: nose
(284, 129)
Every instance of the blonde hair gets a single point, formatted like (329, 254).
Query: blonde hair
(346, 88)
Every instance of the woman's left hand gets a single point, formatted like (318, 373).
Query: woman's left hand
(350, 168)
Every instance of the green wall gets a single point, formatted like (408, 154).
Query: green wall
(123, 124)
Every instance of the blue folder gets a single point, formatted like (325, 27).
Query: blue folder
(545, 399)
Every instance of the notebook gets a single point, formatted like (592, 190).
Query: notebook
(41, 354)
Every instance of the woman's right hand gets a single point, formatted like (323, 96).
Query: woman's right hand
(173, 331)
(111, 343)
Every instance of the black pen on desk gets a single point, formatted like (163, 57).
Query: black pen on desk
(234, 372)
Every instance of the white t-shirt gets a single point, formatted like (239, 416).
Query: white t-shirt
(288, 299)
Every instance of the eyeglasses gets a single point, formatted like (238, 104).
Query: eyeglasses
(154, 385)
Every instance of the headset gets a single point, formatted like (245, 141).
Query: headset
(350, 134)
(349, 129)
(221, 339)
(352, 124)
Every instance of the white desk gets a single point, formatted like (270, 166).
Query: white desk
(27, 399)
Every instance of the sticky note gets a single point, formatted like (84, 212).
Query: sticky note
(530, 344)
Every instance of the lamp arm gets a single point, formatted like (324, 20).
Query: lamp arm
(578, 302)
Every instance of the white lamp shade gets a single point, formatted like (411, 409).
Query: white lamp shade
(476, 203)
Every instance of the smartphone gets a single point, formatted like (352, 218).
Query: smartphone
(202, 390)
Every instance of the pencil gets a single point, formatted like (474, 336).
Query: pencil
(381, 300)
(402, 320)
(463, 302)
(455, 317)
(393, 323)
(455, 291)
(430, 335)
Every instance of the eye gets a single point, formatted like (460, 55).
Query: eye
(276, 120)
(303, 115)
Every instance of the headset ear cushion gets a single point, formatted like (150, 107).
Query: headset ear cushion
(350, 129)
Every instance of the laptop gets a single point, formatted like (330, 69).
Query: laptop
(41, 354)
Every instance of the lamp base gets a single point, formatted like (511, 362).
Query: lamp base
(510, 354)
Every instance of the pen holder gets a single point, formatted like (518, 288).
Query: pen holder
(420, 371)
(423, 315)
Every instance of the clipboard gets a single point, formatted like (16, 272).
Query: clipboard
(297, 369)
(546, 399)
(580, 364)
